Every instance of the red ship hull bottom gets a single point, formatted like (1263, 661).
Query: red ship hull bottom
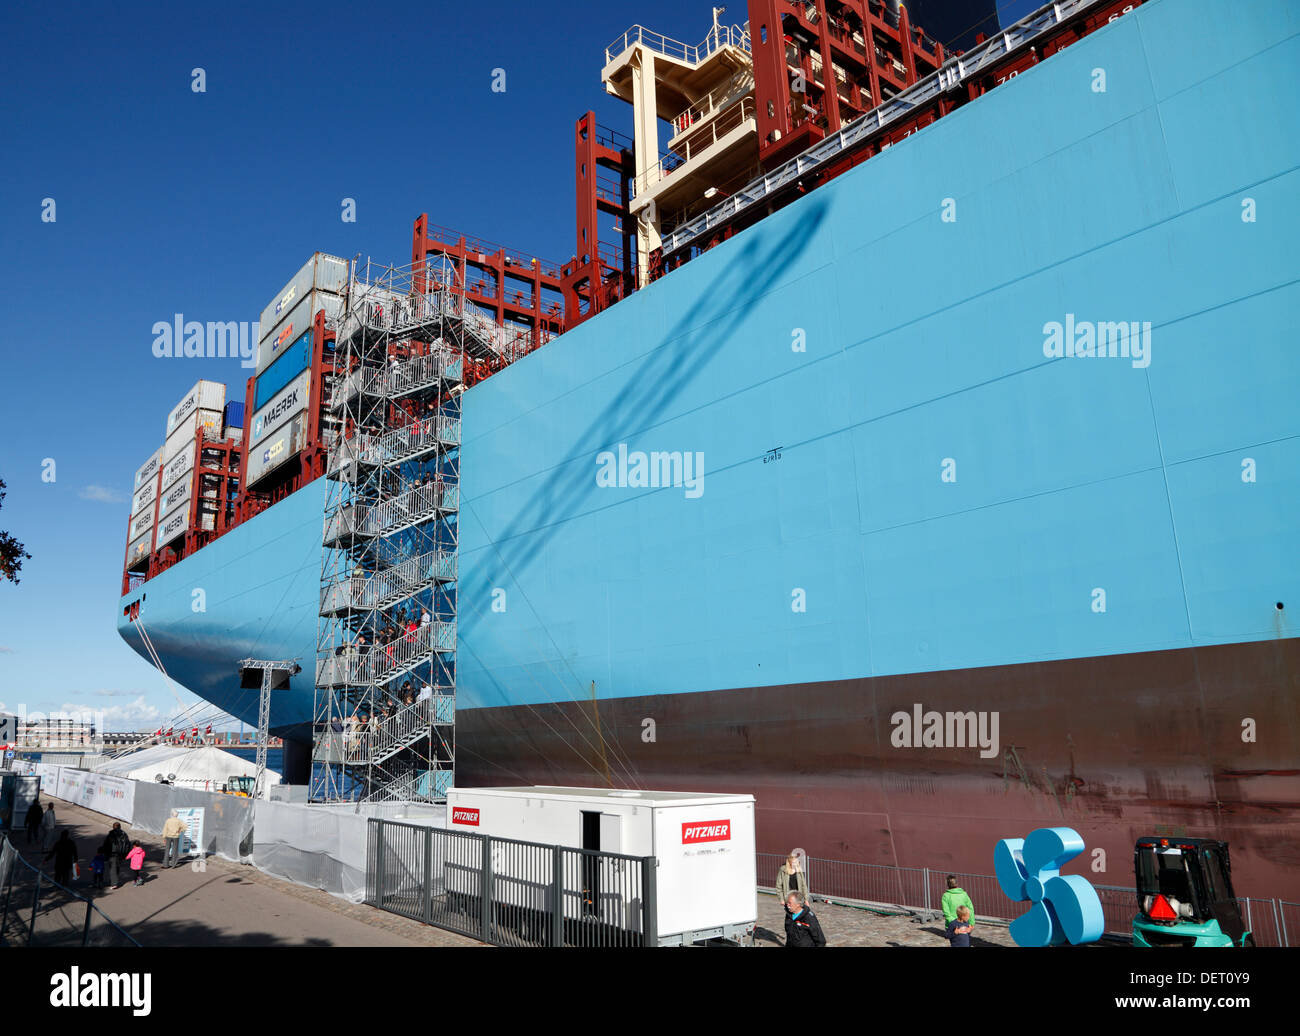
(1201, 742)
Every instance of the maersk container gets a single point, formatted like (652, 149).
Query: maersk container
(233, 417)
(287, 403)
(139, 549)
(320, 273)
(142, 522)
(293, 360)
(205, 395)
(268, 455)
(176, 497)
(189, 427)
(176, 525)
(147, 495)
(298, 320)
(175, 468)
(703, 848)
(148, 469)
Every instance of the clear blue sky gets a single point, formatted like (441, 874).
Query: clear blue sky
(170, 201)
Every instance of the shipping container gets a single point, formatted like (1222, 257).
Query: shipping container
(142, 522)
(293, 360)
(147, 495)
(175, 468)
(185, 432)
(176, 524)
(176, 497)
(321, 273)
(205, 395)
(298, 320)
(235, 434)
(148, 469)
(138, 551)
(703, 846)
(286, 404)
(275, 450)
(234, 416)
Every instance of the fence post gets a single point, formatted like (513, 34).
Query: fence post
(36, 902)
(557, 896)
(1281, 918)
(85, 928)
(428, 875)
(1250, 926)
(649, 902)
(925, 874)
(485, 891)
(4, 917)
(1277, 924)
(377, 826)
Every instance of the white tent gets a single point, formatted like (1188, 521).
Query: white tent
(206, 768)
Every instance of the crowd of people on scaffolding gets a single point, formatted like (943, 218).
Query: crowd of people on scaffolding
(372, 717)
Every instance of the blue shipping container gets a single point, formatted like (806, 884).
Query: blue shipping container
(295, 359)
(234, 415)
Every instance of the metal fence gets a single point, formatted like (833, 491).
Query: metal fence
(1272, 922)
(37, 911)
(507, 892)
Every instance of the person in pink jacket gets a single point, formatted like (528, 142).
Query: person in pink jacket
(136, 860)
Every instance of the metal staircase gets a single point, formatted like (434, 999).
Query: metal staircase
(387, 628)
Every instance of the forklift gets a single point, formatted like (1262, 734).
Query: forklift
(1184, 894)
(241, 786)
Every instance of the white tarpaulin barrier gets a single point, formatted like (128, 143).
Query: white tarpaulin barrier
(112, 796)
(321, 848)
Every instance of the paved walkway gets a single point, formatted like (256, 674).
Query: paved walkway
(224, 903)
(850, 926)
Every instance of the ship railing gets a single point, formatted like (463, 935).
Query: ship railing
(718, 37)
(697, 144)
(950, 75)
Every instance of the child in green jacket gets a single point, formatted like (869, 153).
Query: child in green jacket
(953, 898)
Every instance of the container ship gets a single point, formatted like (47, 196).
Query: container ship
(911, 442)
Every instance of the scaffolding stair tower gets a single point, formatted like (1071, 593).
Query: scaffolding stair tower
(385, 704)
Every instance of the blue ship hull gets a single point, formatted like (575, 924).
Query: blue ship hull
(906, 498)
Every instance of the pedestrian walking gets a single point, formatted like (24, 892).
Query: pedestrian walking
(801, 925)
(115, 848)
(792, 878)
(97, 866)
(33, 820)
(959, 928)
(136, 859)
(48, 823)
(954, 897)
(172, 832)
(65, 858)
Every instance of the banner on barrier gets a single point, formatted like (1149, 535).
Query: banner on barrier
(192, 840)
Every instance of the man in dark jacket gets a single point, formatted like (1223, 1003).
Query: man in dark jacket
(65, 855)
(33, 820)
(115, 847)
(801, 926)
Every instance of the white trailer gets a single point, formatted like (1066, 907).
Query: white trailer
(702, 845)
